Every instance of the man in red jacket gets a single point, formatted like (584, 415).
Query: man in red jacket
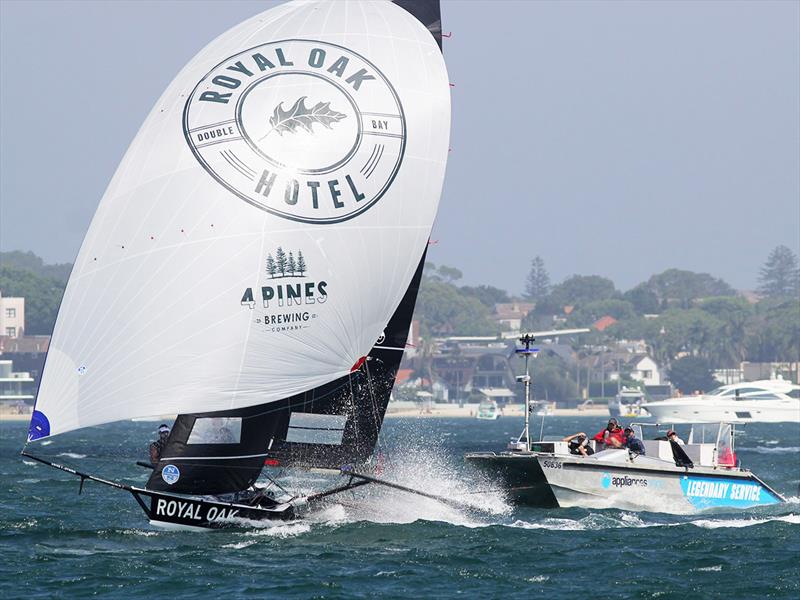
(612, 436)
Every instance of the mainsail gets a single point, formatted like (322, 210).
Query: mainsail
(266, 226)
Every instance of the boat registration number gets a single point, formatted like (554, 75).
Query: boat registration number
(552, 464)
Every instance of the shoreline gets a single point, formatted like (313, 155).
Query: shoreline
(468, 411)
(450, 411)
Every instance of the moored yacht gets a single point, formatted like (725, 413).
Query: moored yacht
(766, 401)
(627, 403)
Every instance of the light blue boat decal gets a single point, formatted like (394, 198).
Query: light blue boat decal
(711, 492)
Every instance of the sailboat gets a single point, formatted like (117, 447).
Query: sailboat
(254, 263)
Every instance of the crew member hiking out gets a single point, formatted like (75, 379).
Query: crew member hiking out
(157, 447)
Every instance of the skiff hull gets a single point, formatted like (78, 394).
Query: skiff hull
(178, 511)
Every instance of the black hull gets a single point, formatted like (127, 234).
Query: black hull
(520, 475)
(172, 510)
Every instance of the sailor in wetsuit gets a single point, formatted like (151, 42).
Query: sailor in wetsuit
(157, 447)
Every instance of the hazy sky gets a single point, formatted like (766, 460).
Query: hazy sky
(611, 138)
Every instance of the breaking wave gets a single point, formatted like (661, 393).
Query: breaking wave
(717, 523)
(771, 449)
(71, 455)
(595, 522)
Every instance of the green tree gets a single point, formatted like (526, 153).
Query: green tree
(780, 275)
(575, 291)
(644, 300)
(551, 377)
(773, 331)
(28, 261)
(443, 310)
(692, 373)
(538, 283)
(678, 287)
(486, 294)
(590, 312)
(449, 274)
(728, 346)
(42, 297)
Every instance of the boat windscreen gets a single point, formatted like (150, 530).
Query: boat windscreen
(704, 433)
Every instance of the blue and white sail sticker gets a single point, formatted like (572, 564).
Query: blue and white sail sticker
(170, 474)
(710, 492)
(40, 426)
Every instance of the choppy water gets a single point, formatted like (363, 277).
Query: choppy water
(380, 543)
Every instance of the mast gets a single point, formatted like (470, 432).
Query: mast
(527, 352)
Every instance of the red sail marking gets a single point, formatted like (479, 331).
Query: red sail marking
(358, 364)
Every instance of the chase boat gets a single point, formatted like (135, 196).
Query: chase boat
(668, 478)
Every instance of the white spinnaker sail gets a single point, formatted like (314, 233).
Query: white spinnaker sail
(264, 223)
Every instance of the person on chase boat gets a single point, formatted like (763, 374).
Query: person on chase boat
(612, 436)
(157, 447)
(633, 443)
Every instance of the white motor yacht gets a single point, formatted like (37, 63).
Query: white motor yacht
(766, 401)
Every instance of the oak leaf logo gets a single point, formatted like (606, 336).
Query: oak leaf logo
(300, 116)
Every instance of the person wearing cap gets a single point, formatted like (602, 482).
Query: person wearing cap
(612, 436)
(633, 443)
(157, 447)
(578, 443)
(673, 437)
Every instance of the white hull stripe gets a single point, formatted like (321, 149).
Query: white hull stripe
(177, 458)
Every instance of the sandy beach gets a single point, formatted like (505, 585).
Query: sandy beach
(9, 414)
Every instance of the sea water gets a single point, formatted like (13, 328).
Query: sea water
(380, 543)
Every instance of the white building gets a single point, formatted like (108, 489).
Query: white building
(645, 369)
(14, 387)
(12, 316)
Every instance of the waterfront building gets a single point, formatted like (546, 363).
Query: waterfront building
(12, 316)
(16, 388)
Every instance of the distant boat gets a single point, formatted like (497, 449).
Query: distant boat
(765, 401)
(254, 263)
(488, 411)
(627, 403)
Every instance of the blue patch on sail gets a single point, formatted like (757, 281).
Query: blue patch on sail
(708, 492)
(40, 426)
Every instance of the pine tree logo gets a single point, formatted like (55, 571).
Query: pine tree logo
(286, 265)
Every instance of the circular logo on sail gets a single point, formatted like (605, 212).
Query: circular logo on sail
(170, 474)
(306, 130)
